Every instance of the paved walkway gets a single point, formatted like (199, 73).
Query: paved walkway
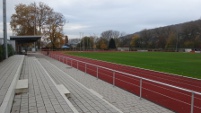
(81, 97)
(9, 73)
(42, 95)
(88, 95)
(8, 68)
(121, 99)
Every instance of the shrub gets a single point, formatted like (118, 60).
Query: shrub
(2, 51)
(10, 50)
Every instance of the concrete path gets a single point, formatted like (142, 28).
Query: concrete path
(121, 99)
(87, 94)
(42, 95)
(84, 99)
(9, 74)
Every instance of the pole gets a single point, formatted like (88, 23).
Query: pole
(140, 88)
(97, 72)
(77, 65)
(192, 102)
(34, 19)
(113, 78)
(5, 29)
(85, 68)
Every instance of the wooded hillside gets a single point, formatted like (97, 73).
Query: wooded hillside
(173, 37)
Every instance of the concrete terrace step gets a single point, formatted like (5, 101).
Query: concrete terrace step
(10, 71)
(125, 101)
(43, 95)
(87, 100)
(84, 99)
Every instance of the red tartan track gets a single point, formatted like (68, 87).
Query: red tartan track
(171, 98)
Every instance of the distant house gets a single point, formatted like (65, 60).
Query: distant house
(65, 46)
(123, 49)
(73, 44)
(69, 46)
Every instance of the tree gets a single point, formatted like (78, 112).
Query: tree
(43, 12)
(135, 41)
(110, 34)
(86, 43)
(53, 29)
(144, 36)
(112, 44)
(197, 42)
(101, 44)
(22, 23)
(184, 35)
(106, 34)
(37, 20)
(171, 41)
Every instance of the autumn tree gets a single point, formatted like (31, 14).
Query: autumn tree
(197, 41)
(102, 44)
(171, 41)
(184, 35)
(38, 19)
(135, 41)
(53, 29)
(22, 22)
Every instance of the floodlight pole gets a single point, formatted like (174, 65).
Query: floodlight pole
(5, 29)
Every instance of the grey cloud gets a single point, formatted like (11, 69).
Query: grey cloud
(95, 16)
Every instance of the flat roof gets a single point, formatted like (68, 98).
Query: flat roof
(25, 39)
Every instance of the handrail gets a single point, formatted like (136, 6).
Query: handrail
(132, 75)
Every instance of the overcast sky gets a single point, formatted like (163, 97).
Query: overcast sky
(92, 17)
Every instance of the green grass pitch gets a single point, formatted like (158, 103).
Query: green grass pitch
(186, 64)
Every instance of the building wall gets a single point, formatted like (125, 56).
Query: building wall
(123, 49)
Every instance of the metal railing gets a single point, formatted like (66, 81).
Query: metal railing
(141, 79)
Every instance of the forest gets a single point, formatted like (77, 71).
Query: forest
(168, 38)
(172, 37)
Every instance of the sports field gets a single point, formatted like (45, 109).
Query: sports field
(186, 64)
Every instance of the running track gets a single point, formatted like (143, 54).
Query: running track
(171, 98)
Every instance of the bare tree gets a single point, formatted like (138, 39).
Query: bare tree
(43, 11)
(107, 34)
(110, 34)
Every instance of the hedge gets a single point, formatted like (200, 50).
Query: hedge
(2, 51)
